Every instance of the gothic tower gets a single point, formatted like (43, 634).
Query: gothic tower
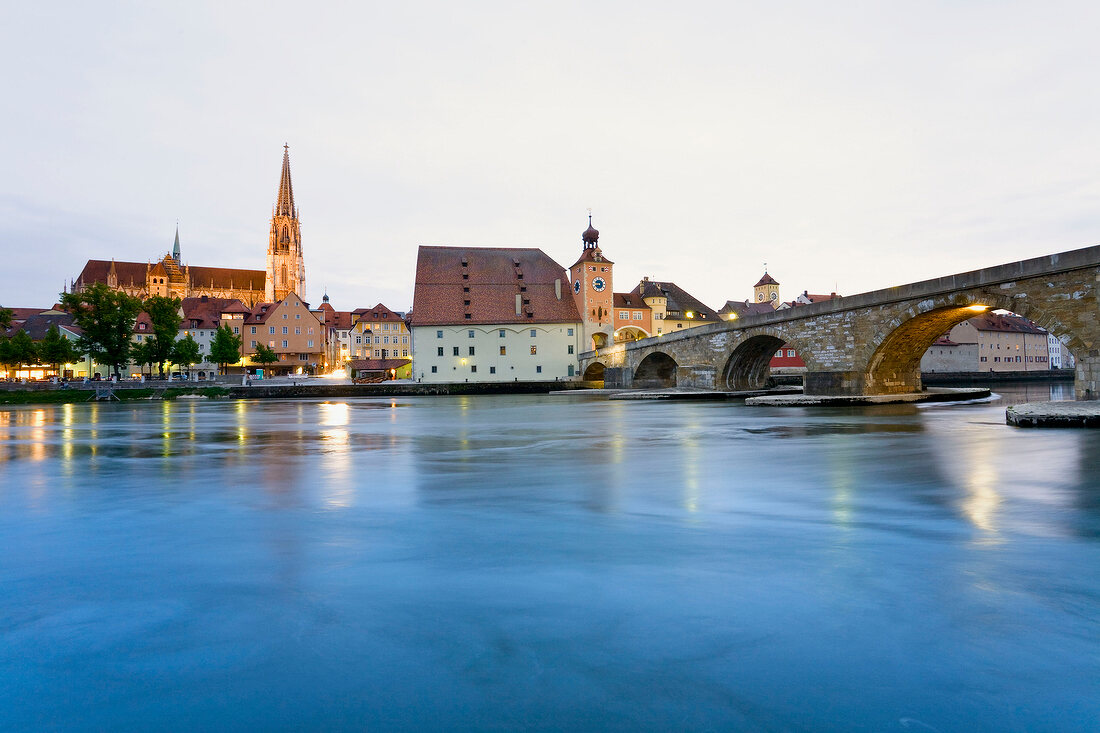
(286, 270)
(591, 276)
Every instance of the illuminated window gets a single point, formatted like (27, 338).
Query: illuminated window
(534, 350)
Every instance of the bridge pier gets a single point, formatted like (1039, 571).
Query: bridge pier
(848, 383)
(618, 377)
(696, 376)
(1086, 383)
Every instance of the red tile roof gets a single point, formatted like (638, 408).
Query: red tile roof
(766, 280)
(204, 312)
(677, 299)
(135, 272)
(1005, 322)
(379, 314)
(628, 300)
(484, 282)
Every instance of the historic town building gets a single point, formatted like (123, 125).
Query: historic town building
(494, 315)
(290, 329)
(591, 278)
(170, 276)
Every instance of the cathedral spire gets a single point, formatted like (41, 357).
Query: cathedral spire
(176, 246)
(284, 205)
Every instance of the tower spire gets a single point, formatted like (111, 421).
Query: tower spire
(176, 246)
(284, 203)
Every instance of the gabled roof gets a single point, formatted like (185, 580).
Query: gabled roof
(745, 308)
(1004, 322)
(484, 283)
(377, 314)
(134, 273)
(38, 324)
(204, 312)
(678, 299)
(628, 300)
(766, 280)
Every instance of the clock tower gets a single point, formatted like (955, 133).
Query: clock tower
(766, 291)
(590, 278)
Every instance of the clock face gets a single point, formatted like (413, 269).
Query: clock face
(760, 297)
(599, 284)
(775, 296)
(576, 286)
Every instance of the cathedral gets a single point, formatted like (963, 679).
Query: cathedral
(169, 276)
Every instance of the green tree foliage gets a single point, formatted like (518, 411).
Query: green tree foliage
(265, 355)
(5, 319)
(165, 315)
(225, 348)
(107, 318)
(22, 350)
(141, 353)
(56, 350)
(186, 352)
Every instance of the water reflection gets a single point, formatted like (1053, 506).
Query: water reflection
(627, 555)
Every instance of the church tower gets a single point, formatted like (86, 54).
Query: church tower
(591, 276)
(286, 270)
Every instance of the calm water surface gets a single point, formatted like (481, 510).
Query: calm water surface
(546, 563)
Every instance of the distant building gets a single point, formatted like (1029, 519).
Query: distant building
(673, 308)
(202, 317)
(1060, 356)
(495, 314)
(380, 333)
(288, 327)
(633, 317)
(170, 276)
(993, 342)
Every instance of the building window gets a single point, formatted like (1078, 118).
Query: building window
(500, 333)
(473, 368)
(439, 334)
(309, 343)
(236, 329)
(983, 358)
(779, 354)
(284, 316)
(790, 352)
(404, 339)
(284, 330)
(569, 332)
(571, 372)
(297, 330)
(455, 353)
(467, 316)
(471, 351)
(637, 315)
(358, 339)
(253, 329)
(570, 348)
(284, 344)
(377, 353)
(503, 351)
(679, 325)
(534, 350)
(377, 339)
(532, 333)
(309, 331)
(492, 370)
(385, 339)
(470, 333)
(434, 369)
(271, 330)
(538, 369)
(624, 315)
(439, 351)
(404, 352)
(253, 343)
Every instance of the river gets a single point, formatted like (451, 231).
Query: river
(547, 563)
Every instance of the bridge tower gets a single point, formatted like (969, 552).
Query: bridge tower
(592, 289)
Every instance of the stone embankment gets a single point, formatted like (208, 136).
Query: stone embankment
(930, 395)
(1054, 415)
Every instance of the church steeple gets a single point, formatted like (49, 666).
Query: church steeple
(284, 203)
(286, 272)
(176, 246)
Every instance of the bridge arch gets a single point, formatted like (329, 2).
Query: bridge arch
(894, 365)
(594, 372)
(656, 371)
(749, 364)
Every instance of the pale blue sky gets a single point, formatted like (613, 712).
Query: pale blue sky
(851, 146)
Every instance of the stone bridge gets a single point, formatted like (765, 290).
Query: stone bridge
(872, 343)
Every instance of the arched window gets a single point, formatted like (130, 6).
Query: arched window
(284, 278)
(286, 233)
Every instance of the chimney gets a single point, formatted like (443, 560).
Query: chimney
(519, 303)
(557, 288)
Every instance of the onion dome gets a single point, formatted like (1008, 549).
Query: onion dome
(591, 235)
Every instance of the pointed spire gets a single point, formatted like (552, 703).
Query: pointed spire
(176, 246)
(284, 204)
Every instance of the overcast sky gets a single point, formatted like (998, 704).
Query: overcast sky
(850, 146)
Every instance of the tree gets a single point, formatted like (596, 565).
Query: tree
(141, 353)
(106, 317)
(164, 312)
(265, 355)
(56, 350)
(225, 348)
(5, 318)
(22, 349)
(186, 352)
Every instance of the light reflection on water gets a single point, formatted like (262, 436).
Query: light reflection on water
(553, 562)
